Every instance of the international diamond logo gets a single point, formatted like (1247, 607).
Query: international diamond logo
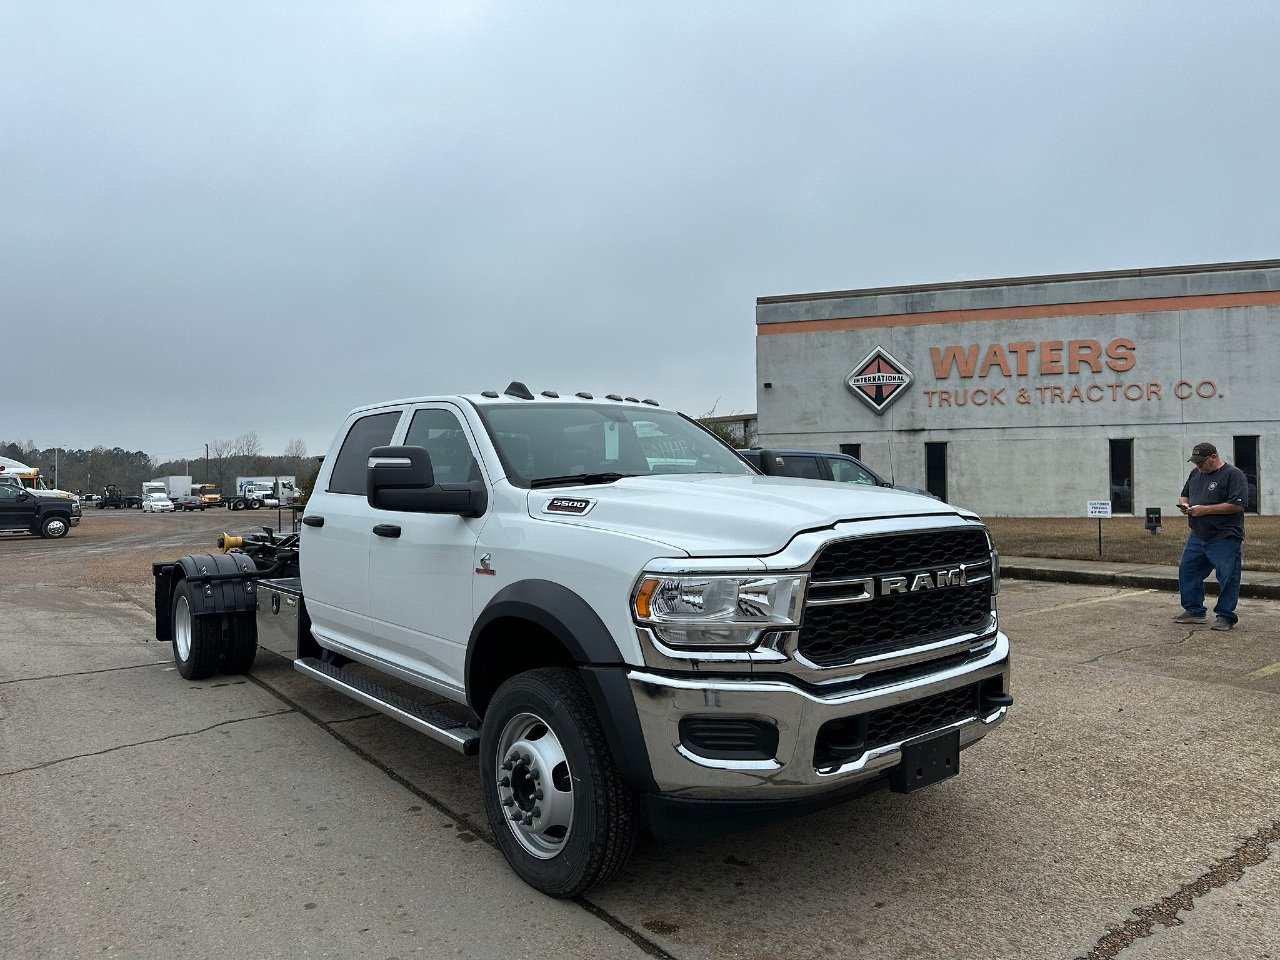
(878, 380)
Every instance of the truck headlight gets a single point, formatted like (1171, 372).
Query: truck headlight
(715, 610)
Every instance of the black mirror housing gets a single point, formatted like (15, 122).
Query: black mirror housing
(401, 479)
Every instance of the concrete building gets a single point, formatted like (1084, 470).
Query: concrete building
(1032, 396)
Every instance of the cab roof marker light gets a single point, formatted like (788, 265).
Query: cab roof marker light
(652, 403)
(551, 393)
(613, 396)
(584, 395)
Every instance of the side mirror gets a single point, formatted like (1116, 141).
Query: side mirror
(401, 479)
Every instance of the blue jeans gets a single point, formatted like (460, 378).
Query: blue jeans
(1222, 556)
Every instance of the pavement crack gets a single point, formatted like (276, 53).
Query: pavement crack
(139, 743)
(363, 716)
(1230, 869)
(83, 673)
(1140, 646)
(458, 817)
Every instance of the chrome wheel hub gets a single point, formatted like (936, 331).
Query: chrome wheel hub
(535, 786)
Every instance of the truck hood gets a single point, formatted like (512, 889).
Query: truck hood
(713, 515)
(53, 493)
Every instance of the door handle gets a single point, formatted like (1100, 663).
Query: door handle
(313, 521)
(387, 530)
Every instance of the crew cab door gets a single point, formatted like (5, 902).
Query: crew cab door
(17, 507)
(422, 565)
(334, 553)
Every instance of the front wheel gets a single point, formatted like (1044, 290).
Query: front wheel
(559, 809)
(54, 527)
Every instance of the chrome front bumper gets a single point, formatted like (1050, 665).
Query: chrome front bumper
(798, 714)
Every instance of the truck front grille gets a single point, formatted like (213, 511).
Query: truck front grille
(847, 559)
(877, 622)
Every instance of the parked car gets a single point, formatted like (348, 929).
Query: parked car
(157, 503)
(821, 465)
(190, 502)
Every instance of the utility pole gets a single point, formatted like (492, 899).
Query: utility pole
(206, 464)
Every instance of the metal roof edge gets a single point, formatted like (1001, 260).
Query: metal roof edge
(1239, 265)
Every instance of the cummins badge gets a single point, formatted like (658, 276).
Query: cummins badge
(878, 380)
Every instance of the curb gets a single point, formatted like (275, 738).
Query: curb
(1255, 591)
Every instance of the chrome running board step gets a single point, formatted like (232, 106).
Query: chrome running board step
(438, 726)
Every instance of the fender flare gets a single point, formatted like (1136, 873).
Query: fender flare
(559, 611)
(575, 624)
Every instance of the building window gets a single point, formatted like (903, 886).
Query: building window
(852, 450)
(1121, 476)
(1245, 456)
(935, 469)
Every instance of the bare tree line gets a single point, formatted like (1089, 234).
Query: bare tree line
(89, 471)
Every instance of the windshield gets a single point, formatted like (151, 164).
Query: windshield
(541, 443)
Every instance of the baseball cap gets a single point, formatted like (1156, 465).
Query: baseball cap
(1202, 452)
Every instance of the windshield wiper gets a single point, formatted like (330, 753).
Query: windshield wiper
(583, 478)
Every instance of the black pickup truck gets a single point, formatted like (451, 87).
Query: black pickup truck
(43, 514)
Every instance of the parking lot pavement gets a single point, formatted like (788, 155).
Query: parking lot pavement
(148, 817)
(1135, 782)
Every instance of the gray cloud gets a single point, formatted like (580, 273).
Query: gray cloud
(217, 218)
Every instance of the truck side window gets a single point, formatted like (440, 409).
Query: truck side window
(804, 467)
(849, 472)
(351, 467)
(444, 439)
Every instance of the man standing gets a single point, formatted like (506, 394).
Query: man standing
(1213, 500)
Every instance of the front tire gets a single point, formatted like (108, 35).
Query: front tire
(558, 808)
(54, 527)
(196, 640)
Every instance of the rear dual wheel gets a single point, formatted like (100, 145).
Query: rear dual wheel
(210, 643)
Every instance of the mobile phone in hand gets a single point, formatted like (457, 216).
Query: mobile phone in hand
(1182, 507)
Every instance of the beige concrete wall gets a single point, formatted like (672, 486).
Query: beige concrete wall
(1194, 357)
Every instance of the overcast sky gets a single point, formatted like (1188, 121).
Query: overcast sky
(221, 217)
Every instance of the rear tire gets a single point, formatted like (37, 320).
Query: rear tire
(559, 810)
(196, 640)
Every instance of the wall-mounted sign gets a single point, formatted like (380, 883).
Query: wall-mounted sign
(878, 380)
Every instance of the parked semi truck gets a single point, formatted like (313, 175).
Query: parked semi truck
(255, 492)
(624, 643)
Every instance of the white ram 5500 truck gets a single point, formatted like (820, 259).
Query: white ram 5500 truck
(637, 629)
